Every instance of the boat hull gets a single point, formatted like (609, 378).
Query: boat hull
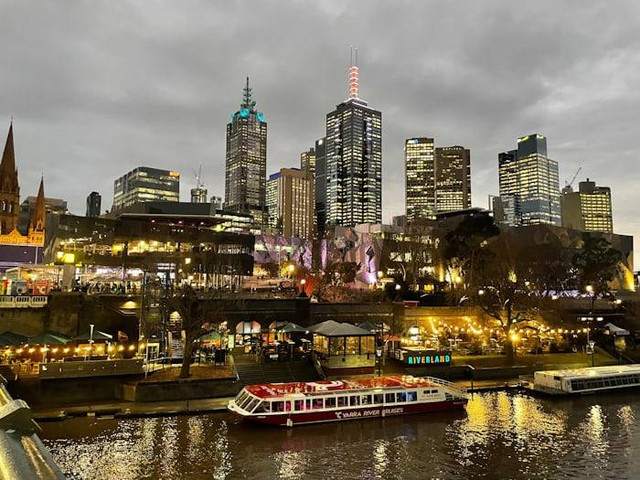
(304, 418)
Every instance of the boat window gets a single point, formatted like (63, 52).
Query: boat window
(299, 405)
(412, 396)
(252, 405)
(390, 398)
(245, 402)
(287, 406)
(342, 401)
(277, 406)
(365, 399)
(401, 396)
(262, 407)
(378, 398)
(330, 402)
(318, 403)
(354, 400)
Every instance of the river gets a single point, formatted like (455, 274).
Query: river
(501, 435)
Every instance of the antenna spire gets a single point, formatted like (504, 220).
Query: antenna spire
(354, 75)
(246, 97)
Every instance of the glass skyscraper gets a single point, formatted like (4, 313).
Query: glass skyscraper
(246, 161)
(353, 149)
(419, 170)
(145, 184)
(453, 178)
(529, 185)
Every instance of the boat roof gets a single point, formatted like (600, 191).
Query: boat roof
(592, 371)
(270, 390)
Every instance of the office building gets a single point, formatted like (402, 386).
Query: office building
(588, 209)
(452, 174)
(94, 203)
(246, 161)
(290, 202)
(320, 186)
(145, 184)
(308, 161)
(419, 165)
(199, 195)
(217, 202)
(528, 180)
(353, 161)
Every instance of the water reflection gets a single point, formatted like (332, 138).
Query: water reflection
(500, 435)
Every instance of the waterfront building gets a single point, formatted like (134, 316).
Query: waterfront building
(353, 160)
(290, 202)
(246, 161)
(419, 164)
(588, 209)
(94, 203)
(145, 184)
(452, 174)
(9, 188)
(529, 188)
(320, 187)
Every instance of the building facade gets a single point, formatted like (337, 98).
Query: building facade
(320, 186)
(290, 202)
(145, 184)
(529, 185)
(353, 150)
(94, 204)
(589, 209)
(419, 168)
(452, 174)
(308, 161)
(29, 207)
(246, 161)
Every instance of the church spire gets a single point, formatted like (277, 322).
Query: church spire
(37, 222)
(8, 172)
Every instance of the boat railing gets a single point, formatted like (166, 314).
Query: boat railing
(457, 389)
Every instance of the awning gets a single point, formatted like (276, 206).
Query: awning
(247, 328)
(615, 330)
(292, 328)
(8, 338)
(342, 330)
(49, 339)
(209, 336)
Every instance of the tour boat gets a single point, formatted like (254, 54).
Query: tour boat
(586, 380)
(288, 404)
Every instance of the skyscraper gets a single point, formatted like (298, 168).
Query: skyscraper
(9, 188)
(452, 179)
(353, 160)
(588, 209)
(94, 203)
(246, 161)
(145, 184)
(320, 185)
(419, 167)
(290, 201)
(308, 161)
(529, 187)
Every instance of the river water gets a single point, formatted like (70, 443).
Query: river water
(501, 435)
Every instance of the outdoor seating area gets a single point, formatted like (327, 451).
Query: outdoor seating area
(344, 347)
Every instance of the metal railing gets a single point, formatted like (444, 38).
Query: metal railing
(23, 301)
(449, 385)
(22, 454)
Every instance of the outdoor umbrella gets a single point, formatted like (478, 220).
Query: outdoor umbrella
(8, 338)
(49, 339)
(292, 328)
(97, 336)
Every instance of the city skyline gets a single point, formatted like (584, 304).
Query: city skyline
(135, 116)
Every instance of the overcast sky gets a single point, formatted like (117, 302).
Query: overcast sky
(99, 87)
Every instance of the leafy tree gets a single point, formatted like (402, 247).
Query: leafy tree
(597, 265)
(414, 252)
(272, 269)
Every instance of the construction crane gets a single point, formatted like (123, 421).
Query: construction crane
(198, 176)
(573, 179)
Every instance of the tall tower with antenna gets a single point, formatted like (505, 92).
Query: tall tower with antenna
(353, 158)
(246, 160)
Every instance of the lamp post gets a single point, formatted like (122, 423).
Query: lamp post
(90, 339)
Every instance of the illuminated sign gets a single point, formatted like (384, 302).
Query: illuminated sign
(174, 174)
(439, 358)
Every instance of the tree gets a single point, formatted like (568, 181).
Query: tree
(272, 269)
(462, 245)
(596, 264)
(414, 252)
(194, 312)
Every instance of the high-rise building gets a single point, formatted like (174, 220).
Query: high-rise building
(452, 179)
(529, 187)
(94, 203)
(588, 209)
(199, 195)
(353, 161)
(9, 188)
(246, 161)
(419, 168)
(320, 186)
(290, 201)
(145, 184)
(217, 202)
(308, 161)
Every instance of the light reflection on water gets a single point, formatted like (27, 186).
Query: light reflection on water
(500, 435)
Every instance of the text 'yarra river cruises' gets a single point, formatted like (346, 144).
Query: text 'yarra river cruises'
(329, 401)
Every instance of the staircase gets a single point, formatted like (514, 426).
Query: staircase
(250, 372)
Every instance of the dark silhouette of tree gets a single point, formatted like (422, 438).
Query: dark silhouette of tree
(596, 264)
